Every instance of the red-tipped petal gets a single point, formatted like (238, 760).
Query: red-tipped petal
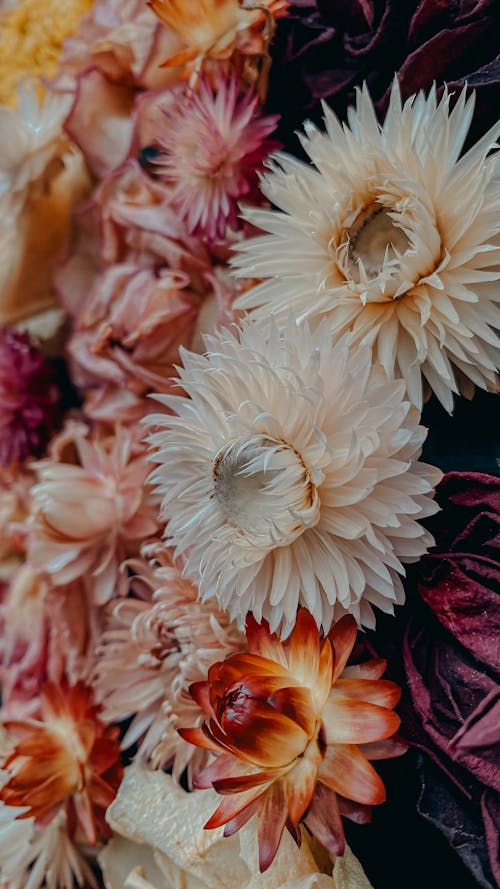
(224, 766)
(199, 738)
(200, 692)
(374, 669)
(324, 821)
(356, 812)
(342, 636)
(226, 786)
(232, 806)
(272, 819)
(240, 819)
(348, 721)
(261, 641)
(347, 771)
(379, 691)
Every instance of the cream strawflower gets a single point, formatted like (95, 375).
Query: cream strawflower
(390, 236)
(290, 477)
(32, 857)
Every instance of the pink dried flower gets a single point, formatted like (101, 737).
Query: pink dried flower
(157, 643)
(213, 143)
(28, 398)
(92, 514)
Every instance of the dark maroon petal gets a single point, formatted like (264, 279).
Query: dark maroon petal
(29, 398)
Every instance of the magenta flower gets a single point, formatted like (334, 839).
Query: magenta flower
(28, 398)
(214, 143)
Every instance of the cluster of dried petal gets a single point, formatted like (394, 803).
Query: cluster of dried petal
(92, 510)
(65, 761)
(212, 145)
(158, 641)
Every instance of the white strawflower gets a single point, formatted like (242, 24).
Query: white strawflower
(390, 236)
(289, 476)
(33, 856)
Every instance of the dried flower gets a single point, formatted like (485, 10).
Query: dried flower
(66, 761)
(215, 28)
(289, 476)
(213, 142)
(154, 647)
(391, 237)
(29, 398)
(90, 515)
(294, 732)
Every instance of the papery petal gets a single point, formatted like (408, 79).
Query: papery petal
(347, 771)
(349, 721)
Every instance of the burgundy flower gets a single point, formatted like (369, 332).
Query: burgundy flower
(327, 47)
(452, 660)
(28, 398)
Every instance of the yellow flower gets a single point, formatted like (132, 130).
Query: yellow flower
(31, 39)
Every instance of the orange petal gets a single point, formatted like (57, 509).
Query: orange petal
(369, 670)
(342, 636)
(347, 771)
(324, 679)
(324, 821)
(272, 819)
(299, 784)
(225, 786)
(376, 691)
(349, 721)
(303, 649)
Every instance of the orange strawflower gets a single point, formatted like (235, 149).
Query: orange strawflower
(294, 730)
(216, 28)
(66, 761)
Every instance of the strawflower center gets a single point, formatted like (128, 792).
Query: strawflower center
(264, 488)
(374, 242)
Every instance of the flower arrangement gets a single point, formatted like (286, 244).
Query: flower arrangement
(249, 273)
